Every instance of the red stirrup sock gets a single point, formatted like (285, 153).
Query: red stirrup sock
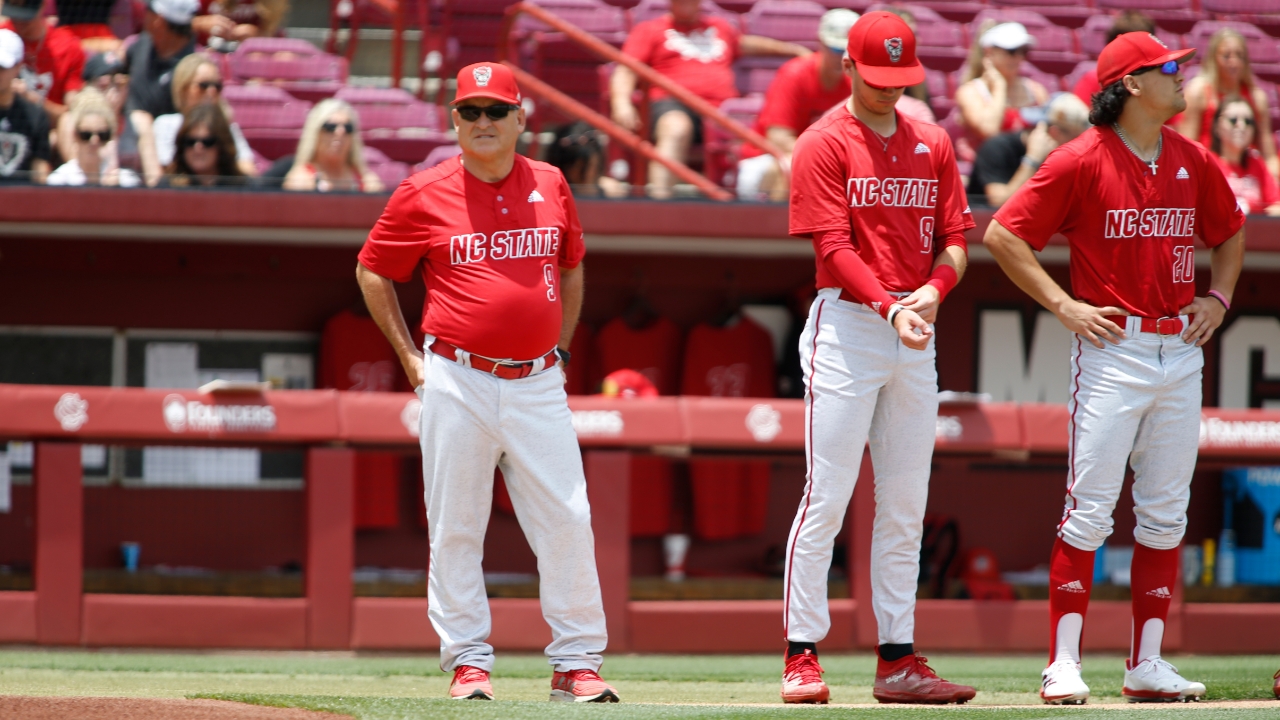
(1152, 578)
(1070, 580)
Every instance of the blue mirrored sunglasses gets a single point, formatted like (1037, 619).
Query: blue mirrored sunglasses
(1169, 68)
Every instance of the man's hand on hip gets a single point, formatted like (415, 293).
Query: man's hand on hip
(1208, 314)
(1092, 322)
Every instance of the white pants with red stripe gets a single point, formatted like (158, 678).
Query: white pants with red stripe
(471, 422)
(1136, 402)
(861, 383)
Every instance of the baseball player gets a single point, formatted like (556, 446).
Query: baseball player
(880, 196)
(497, 240)
(1130, 196)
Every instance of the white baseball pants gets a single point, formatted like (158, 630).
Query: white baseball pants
(1136, 402)
(861, 383)
(471, 422)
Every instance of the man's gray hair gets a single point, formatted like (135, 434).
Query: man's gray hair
(1069, 111)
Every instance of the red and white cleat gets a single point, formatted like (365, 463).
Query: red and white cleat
(911, 680)
(1061, 684)
(802, 680)
(1154, 680)
(470, 683)
(581, 686)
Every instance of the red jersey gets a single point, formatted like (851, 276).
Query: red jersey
(735, 361)
(1130, 231)
(698, 56)
(355, 355)
(796, 98)
(652, 351)
(54, 65)
(1254, 187)
(490, 254)
(901, 202)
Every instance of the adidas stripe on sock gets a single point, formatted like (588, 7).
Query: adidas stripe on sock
(1152, 577)
(1070, 580)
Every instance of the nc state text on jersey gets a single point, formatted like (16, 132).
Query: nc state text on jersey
(893, 192)
(1151, 222)
(504, 245)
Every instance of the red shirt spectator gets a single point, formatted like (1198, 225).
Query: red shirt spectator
(1255, 189)
(796, 98)
(54, 59)
(698, 55)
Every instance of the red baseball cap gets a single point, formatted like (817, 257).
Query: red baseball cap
(883, 49)
(1134, 51)
(487, 80)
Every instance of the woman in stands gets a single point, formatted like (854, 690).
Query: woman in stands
(1234, 128)
(94, 123)
(993, 90)
(1226, 72)
(206, 154)
(330, 155)
(197, 80)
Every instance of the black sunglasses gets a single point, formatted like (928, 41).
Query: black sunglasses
(206, 84)
(330, 127)
(89, 135)
(1248, 122)
(471, 113)
(206, 142)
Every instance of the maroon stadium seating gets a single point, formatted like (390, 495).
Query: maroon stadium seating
(390, 172)
(270, 118)
(567, 66)
(790, 20)
(1093, 35)
(297, 66)
(1263, 13)
(397, 123)
(1055, 50)
(721, 147)
(1172, 15)
(1066, 15)
(650, 9)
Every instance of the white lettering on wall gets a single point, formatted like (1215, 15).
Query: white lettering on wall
(1008, 373)
(1239, 341)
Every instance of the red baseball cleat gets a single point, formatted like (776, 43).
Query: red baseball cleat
(1276, 689)
(470, 683)
(581, 686)
(802, 680)
(911, 680)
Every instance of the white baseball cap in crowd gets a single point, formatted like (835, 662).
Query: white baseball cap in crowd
(1007, 36)
(11, 49)
(178, 12)
(833, 29)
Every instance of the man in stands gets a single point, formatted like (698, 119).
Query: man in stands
(696, 51)
(24, 128)
(1125, 22)
(804, 89)
(1008, 160)
(166, 39)
(54, 60)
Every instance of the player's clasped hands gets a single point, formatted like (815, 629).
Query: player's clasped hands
(1208, 314)
(1091, 322)
(912, 329)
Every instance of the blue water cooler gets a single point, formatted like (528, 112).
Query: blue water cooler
(1251, 507)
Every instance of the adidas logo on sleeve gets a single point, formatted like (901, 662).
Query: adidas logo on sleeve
(921, 148)
(535, 196)
(1183, 174)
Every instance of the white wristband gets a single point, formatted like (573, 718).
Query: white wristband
(893, 312)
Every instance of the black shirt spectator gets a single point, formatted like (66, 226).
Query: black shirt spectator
(168, 38)
(150, 76)
(24, 127)
(998, 159)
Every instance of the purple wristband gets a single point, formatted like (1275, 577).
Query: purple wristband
(1220, 298)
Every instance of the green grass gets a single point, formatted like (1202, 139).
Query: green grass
(384, 687)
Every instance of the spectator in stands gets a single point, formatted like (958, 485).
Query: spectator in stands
(1234, 128)
(914, 102)
(1225, 72)
(994, 91)
(206, 151)
(105, 73)
(696, 51)
(54, 60)
(330, 154)
(196, 80)
(89, 20)
(577, 151)
(1008, 160)
(24, 127)
(150, 61)
(1127, 21)
(220, 21)
(93, 161)
(803, 90)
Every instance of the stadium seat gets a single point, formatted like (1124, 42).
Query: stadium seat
(564, 64)
(437, 156)
(961, 11)
(1263, 13)
(294, 65)
(941, 96)
(755, 74)
(1093, 36)
(475, 25)
(1081, 69)
(924, 14)
(1030, 19)
(941, 45)
(1065, 15)
(789, 20)
(1051, 81)
(397, 123)
(270, 118)
(1055, 50)
(721, 148)
(1173, 15)
(390, 172)
(650, 9)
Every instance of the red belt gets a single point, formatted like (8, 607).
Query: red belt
(1159, 326)
(505, 369)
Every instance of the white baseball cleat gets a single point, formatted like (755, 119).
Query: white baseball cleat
(1061, 684)
(1154, 680)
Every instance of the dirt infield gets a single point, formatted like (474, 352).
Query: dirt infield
(20, 707)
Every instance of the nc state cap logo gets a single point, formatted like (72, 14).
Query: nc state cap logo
(482, 75)
(894, 47)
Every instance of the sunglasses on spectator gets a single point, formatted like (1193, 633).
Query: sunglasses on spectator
(331, 127)
(1247, 122)
(471, 113)
(89, 135)
(205, 142)
(206, 84)
(1169, 68)
(1020, 52)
